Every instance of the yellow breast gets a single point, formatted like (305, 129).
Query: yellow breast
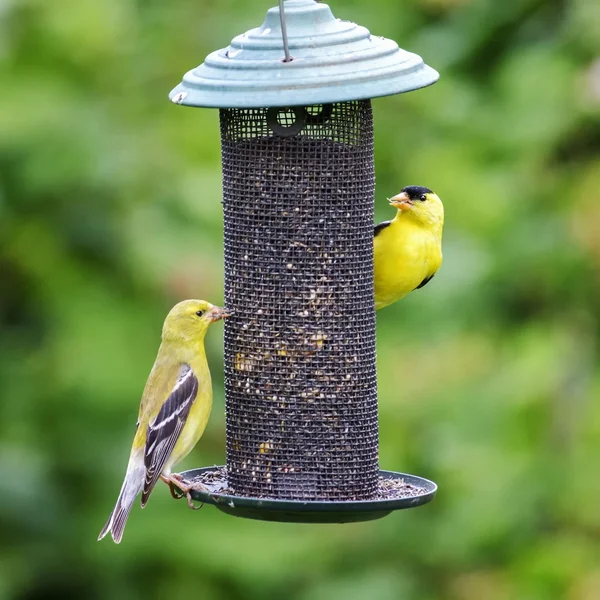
(405, 255)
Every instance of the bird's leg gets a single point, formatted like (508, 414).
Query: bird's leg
(176, 480)
(172, 488)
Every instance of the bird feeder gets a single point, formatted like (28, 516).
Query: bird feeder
(298, 199)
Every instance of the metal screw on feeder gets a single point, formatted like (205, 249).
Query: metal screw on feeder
(298, 194)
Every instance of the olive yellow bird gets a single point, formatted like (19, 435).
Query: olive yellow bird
(173, 412)
(408, 249)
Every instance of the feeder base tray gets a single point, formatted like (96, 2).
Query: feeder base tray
(396, 491)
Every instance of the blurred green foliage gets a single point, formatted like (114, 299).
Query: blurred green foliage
(489, 377)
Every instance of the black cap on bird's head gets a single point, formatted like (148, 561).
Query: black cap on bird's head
(414, 192)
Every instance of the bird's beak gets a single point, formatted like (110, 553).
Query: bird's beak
(217, 313)
(401, 201)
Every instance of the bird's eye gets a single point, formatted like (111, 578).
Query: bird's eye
(422, 197)
(199, 312)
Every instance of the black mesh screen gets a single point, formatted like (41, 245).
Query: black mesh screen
(301, 395)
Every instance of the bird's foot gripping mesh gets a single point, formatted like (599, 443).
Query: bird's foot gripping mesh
(301, 394)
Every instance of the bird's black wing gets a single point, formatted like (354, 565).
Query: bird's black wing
(380, 227)
(424, 282)
(165, 428)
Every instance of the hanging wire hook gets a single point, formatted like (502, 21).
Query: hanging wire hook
(286, 48)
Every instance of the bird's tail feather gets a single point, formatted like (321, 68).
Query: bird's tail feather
(132, 486)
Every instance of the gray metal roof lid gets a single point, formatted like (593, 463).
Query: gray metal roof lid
(332, 61)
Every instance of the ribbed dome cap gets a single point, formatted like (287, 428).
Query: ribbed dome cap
(333, 61)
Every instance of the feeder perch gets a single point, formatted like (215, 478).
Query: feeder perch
(298, 198)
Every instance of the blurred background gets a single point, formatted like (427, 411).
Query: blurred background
(489, 377)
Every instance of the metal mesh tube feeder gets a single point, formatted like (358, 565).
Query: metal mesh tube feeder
(298, 194)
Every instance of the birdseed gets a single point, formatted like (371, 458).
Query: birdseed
(215, 481)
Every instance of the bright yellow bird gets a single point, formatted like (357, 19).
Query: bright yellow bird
(174, 410)
(408, 249)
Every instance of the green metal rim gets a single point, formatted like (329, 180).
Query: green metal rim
(314, 511)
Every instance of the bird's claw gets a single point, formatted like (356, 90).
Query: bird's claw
(177, 482)
(191, 504)
(173, 485)
(173, 491)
